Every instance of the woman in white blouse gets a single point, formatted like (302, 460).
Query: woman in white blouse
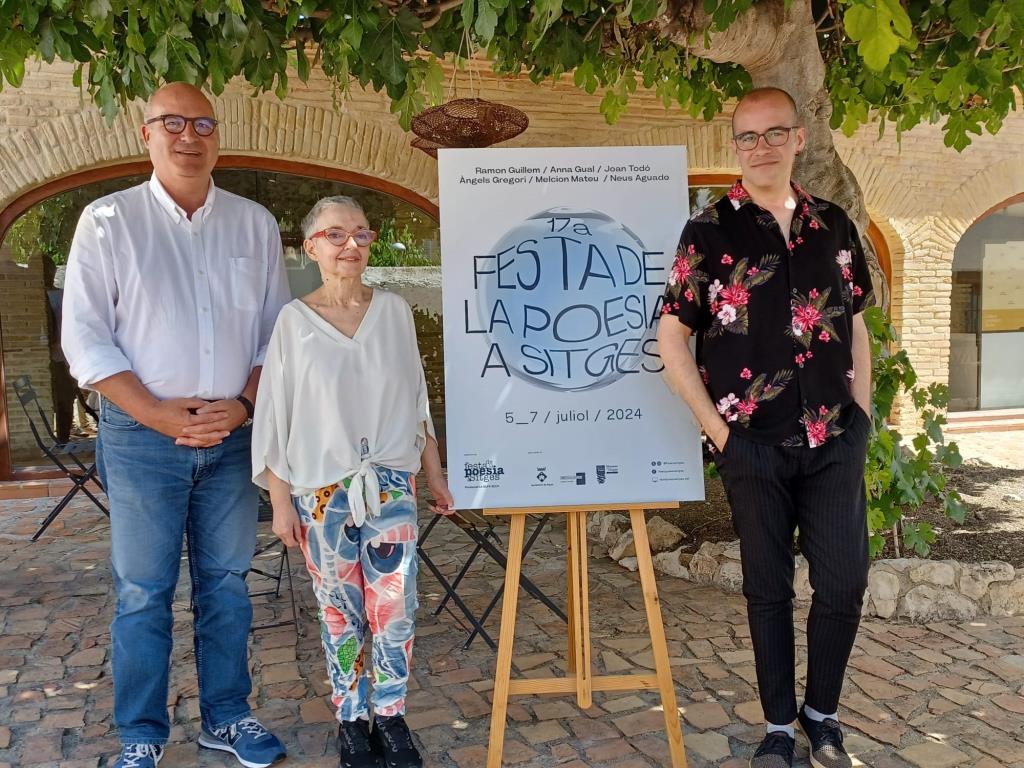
(342, 426)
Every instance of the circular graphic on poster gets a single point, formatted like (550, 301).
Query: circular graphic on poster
(563, 296)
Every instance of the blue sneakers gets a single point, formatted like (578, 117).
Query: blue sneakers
(247, 740)
(139, 756)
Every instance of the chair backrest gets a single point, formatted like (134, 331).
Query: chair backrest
(27, 397)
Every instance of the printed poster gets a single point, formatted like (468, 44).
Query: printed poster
(554, 262)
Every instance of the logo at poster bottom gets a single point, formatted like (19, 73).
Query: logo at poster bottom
(481, 474)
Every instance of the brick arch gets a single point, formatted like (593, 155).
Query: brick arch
(995, 188)
(259, 128)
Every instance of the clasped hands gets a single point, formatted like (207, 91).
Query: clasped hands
(194, 422)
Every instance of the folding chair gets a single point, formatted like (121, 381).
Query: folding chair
(73, 467)
(283, 570)
(481, 531)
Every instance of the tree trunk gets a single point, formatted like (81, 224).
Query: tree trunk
(779, 48)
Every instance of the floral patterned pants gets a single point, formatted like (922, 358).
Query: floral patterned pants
(364, 578)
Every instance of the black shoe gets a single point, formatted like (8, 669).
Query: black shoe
(776, 751)
(826, 742)
(354, 748)
(393, 742)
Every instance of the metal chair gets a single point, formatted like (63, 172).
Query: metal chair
(481, 531)
(282, 571)
(65, 456)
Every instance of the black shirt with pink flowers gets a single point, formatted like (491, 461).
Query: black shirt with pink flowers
(773, 316)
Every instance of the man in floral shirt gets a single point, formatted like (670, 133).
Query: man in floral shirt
(781, 385)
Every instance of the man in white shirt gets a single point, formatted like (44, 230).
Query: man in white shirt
(171, 294)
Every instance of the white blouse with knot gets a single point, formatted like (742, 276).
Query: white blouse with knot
(332, 407)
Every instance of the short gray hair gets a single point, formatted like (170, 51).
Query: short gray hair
(321, 205)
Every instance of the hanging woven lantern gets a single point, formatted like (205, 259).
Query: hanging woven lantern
(468, 123)
(425, 145)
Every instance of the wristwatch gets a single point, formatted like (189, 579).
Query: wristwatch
(250, 409)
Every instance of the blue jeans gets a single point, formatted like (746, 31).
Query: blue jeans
(158, 493)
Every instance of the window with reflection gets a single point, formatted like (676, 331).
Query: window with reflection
(986, 339)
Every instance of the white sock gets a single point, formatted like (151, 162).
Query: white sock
(817, 717)
(786, 729)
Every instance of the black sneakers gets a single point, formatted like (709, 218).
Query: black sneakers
(776, 751)
(354, 748)
(392, 740)
(826, 740)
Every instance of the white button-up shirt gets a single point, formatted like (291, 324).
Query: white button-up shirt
(188, 306)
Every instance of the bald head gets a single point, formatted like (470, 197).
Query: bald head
(182, 160)
(178, 99)
(760, 97)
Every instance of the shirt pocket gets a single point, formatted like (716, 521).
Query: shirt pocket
(245, 286)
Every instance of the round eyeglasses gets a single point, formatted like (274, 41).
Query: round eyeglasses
(203, 126)
(773, 137)
(338, 236)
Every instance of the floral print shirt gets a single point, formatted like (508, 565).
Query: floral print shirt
(773, 316)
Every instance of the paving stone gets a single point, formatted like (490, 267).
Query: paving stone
(931, 754)
(876, 688)
(641, 722)
(316, 711)
(430, 717)
(555, 710)
(889, 733)
(469, 757)
(543, 732)
(710, 746)
(1010, 703)
(624, 704)
(88, 658)
(706, 716)
(589, 730)
(606, 751)
(279, 673)
(518, 752)
(750, 711)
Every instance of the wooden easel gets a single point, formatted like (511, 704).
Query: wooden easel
(579, 657)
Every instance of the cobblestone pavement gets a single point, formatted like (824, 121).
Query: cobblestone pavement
(935, 696)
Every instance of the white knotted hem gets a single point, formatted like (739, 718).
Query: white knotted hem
(363, 493)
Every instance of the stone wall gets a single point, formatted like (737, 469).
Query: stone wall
(907, 588)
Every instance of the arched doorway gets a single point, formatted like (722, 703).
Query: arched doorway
(36, 230)
(986, 355)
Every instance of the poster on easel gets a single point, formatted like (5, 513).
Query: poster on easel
(553, 264)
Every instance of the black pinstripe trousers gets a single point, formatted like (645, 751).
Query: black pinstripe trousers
(772, 491)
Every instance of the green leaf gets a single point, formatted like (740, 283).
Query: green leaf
(486, 20)
(919, 537)
(301, 61)
(954, 507)
(352, 33)
(98, 9)
(234, 28)
(236, 7)
(963, 18)
(873, 30)
(585, 77)
(900, 20)
(644, 10)
(468, 12)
